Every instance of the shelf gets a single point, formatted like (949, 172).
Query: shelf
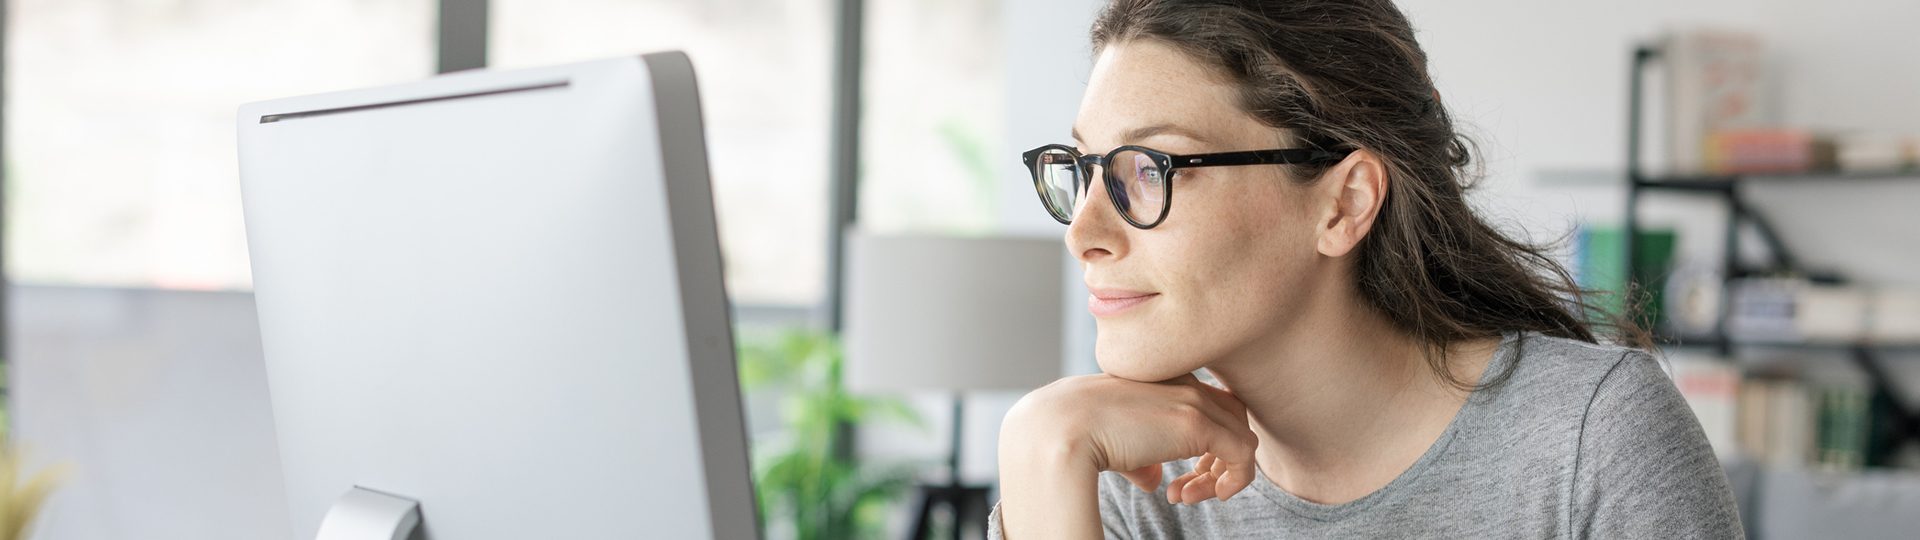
(1690, 342)
(1724, 182)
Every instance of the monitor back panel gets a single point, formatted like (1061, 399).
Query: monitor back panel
(494, 293)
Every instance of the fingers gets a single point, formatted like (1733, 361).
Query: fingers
(1196, 485)
(1226, 468)
(1177, 489)
(1226, 465)
(1230, 478)
(1185, 417)
(1210, 478)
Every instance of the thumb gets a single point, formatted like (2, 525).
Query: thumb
(1235, 478)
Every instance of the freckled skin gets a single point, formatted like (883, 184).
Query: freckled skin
(1236, 254)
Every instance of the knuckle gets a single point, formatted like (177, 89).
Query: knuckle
(1191, 420)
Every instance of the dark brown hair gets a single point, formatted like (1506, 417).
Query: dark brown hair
(1348, 73)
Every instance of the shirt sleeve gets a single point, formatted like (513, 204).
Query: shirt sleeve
(1645, 469)
(1112, 522)
(994, 532)
(1114, 488)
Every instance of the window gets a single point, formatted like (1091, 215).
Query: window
(933, 130)
(120, 128)
(765, 70)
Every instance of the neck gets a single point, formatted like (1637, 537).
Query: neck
(1341, 400)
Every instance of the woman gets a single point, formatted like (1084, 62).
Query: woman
(1388, 364)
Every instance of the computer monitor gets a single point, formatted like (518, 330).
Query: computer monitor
(491, 304)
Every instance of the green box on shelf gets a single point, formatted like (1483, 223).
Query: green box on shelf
(1602, 257)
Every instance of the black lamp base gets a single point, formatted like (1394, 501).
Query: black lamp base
(967, 504)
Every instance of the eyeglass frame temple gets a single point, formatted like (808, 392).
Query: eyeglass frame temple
(1282, 156)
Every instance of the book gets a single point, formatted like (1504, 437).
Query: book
(1765, 150)
(1711, 387)
(1714, 82)
(1842, 428)
(1791, 425)
(1600, 252)
(1873, 152)
(1797, 310)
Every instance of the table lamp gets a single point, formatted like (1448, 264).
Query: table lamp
(953, 314)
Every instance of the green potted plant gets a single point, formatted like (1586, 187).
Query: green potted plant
(808, 483)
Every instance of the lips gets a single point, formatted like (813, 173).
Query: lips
(1107, 302)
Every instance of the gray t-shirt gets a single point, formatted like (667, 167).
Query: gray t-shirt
(1583, 441)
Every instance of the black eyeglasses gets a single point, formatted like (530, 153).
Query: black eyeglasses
(1139, 185)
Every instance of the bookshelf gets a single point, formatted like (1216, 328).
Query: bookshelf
(1903, 421)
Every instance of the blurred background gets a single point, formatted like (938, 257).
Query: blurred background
(1766, 214)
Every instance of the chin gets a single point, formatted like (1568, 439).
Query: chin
(1133, 359)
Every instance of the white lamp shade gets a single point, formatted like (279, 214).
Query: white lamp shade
(927, 312)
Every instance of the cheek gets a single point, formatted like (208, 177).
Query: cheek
(1245, 271)
(1252, 242)
(1228, 271)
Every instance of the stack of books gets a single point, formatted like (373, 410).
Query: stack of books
(1790, 423)
(1796, 310)
(1719, 121)
(1800, 150)
(1780, 422)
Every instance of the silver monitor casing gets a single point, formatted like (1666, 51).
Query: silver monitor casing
(499, 294)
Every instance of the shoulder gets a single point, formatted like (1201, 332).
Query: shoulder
(1560, 362)
(1561, 377)
(1571, 402)
(1642, 465)
(1612, 389)
(1639, 464)
(1635, 418)
(1613, 398)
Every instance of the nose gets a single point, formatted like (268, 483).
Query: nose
(1097, 231)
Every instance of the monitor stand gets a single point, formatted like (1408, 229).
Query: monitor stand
(365, 514)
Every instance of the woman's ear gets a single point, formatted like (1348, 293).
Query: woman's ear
(1354, 190)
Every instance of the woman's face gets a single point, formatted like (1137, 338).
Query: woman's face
(1230, 263)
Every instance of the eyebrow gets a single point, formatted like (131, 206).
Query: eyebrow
(1135, 134)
